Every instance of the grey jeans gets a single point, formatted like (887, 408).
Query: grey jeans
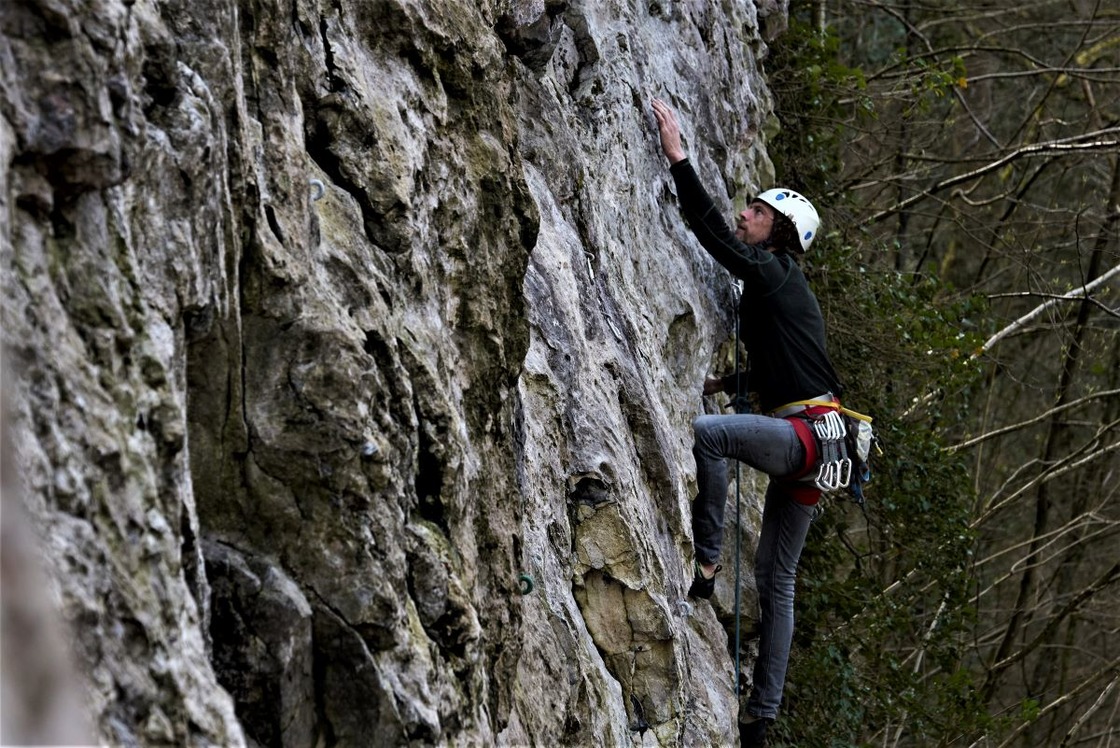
(770, 445)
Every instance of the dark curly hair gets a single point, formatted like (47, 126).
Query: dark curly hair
(784, 236)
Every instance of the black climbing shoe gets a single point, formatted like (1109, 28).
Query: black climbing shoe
(702, 586)
(753, 734)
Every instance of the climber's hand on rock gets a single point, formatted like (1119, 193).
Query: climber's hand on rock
(669, 131)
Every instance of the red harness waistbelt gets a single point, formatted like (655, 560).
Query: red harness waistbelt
(805, 492)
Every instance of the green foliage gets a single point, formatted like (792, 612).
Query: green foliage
(811, 86)
(929, 80)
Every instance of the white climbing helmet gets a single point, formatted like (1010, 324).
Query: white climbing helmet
(796, 208)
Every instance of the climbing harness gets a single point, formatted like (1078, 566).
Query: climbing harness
(837, 443)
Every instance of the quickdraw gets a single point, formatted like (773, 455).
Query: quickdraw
(835, 470)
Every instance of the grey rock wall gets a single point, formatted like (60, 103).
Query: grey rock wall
(335, 327)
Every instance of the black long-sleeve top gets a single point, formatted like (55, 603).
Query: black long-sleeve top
(780, 321)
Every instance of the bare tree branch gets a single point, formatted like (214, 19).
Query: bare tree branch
(1063, 146)
(1079, 522)
(1030, 422)
(1071, 72)
(1061, 700)
(1089, 712)
(1045, 477)
(1078, 293)
(1099, 584)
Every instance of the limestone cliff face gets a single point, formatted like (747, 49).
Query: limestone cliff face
(332, 328)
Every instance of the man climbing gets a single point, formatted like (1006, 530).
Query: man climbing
(783, 332)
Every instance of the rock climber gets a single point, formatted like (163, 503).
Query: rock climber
(783, 332)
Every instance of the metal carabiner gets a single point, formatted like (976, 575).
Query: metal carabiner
(826, 477)
(834, 482)
(820, 481)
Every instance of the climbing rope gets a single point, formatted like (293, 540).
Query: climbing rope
(738, 290)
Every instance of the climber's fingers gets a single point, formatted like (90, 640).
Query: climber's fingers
(669, 130)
